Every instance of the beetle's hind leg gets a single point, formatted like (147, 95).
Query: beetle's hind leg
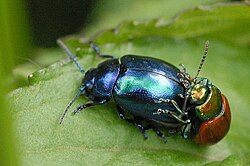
(135, 121)
(97, 51)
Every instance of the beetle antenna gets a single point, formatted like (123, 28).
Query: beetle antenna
(203, 59)
(69, 105)
(64, 47)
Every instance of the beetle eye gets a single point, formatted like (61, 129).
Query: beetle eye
(199, 93)
(88, 88)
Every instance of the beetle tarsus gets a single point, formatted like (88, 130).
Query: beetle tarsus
(181, 96)
(185, 130)
(122, 116)
(141, 128)
(135, 121)
(78, 109)
(176, 117)
(97, 51)
(173, 102)
(183, 68)
(161, 111)
(106, 56)
(164, 100)
(65, 48)
(184, 78)
(159, 133)
(172, 132)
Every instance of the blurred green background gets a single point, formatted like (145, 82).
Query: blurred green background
(30, 28)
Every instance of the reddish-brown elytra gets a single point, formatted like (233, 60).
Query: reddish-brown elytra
(212, 131)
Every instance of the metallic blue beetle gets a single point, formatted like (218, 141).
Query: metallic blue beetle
(156, 94)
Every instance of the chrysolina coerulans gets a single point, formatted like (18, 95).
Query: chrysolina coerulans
(157, 95)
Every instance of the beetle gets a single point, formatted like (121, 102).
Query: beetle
(156, 94)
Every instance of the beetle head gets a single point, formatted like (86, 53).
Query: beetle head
(212, 110)
(88, 81)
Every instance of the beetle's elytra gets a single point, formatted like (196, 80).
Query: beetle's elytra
(157, 95)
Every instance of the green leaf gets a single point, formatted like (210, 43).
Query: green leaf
(109, 14)
(97, 135)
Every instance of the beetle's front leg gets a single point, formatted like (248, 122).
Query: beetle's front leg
(184, 77)
(173, 102)
(185, 130)
(173, 114)
(78, 109)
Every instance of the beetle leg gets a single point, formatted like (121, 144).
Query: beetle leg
(185, 130)
(185, 81)
(135, 121)
(122, 115)
(184, 72)
(176, 106)
(159, 133)
(164, 100)
(97, 51)
(162, 111)
(184, 77)
(78, 109)
(141, 128)
(181, 96)
(172, 132)
(183, 68)
(173, 102)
